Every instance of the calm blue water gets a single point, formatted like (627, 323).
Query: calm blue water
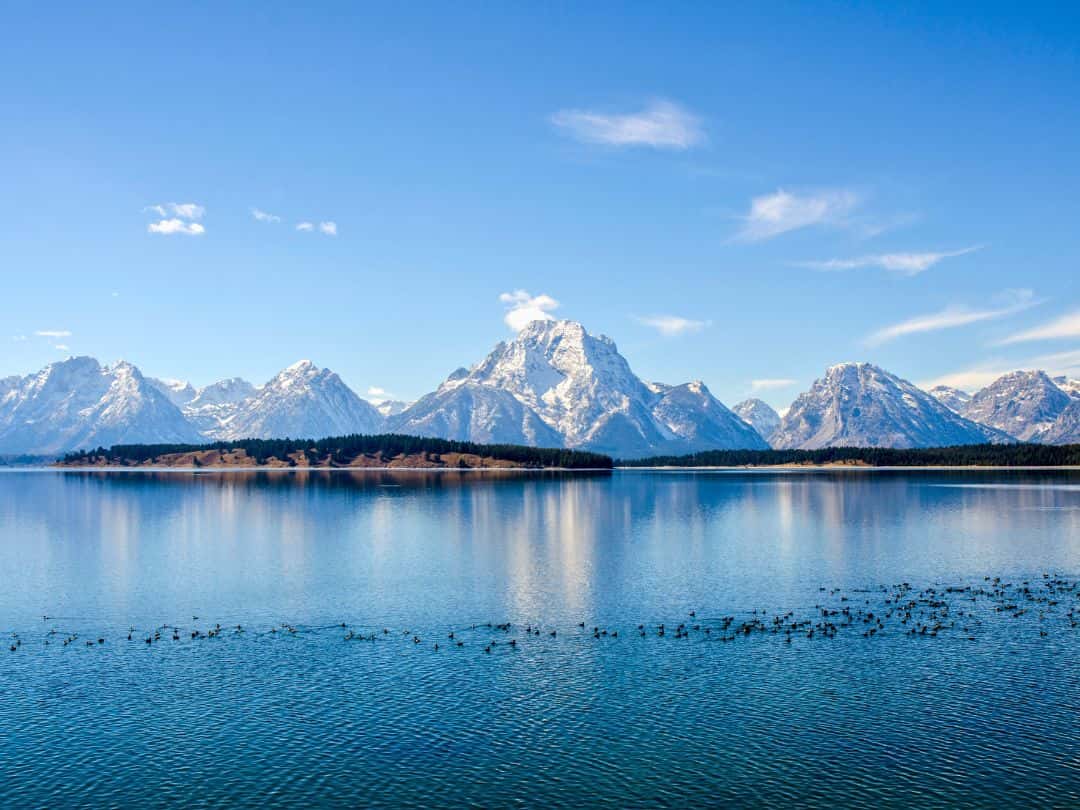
(985, 713)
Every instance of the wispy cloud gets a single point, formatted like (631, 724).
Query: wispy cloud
(522, 308)
(1067, 326)
(774, 214)
(263, 216)
(770, 383)
(982, 374)
(377, 395)
(661, 125)
(19, 338)
(673, 325)
(168, 227)
(952, 317)
(53, 333)
(182, 210)
(327, 228)
(63, 347)
(907, 264)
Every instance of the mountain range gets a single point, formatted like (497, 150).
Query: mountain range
(554, 385)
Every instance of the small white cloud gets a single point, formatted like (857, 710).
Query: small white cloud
(952, 317)
(377, 395)
(1067, 326)
(328, 228)
(661, 125)
(773, 214)
(182, 210)
(19, 338)
(672, 325)
(770, 383)
(53, 333)
(168, 227)
(907, 264)
(263, 216)
(63, 347)
(187, 210)
(523, 308)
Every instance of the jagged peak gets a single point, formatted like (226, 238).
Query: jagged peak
(854, 365)
(550, 328)
(74, 361)
(123, 367)
(1022, 376)
(752, 402)
(300, 366)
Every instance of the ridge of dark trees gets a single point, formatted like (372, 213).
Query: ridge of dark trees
(341, 450)
(972, 455)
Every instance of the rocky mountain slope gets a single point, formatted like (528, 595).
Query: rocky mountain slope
(1066, 428)
(861, 405)
(1024, 404)
(301, 401)
(554, 385)
(1068, 385)
(79, 403)
(557, 382)
(759, 415)
(952, 398)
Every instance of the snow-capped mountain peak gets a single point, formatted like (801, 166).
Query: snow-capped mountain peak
(1068, 385)
(78, 403)
(305, 401)
(1024, 404)
(179, 392)
(862, 405)
(556, 381)
(759, 415)
(952, 398)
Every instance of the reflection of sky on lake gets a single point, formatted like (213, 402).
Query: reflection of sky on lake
(410, 545)
(312, 720)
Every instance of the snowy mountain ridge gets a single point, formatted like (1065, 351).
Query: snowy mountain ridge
(862, 405)
(555, 385)
(557, 382)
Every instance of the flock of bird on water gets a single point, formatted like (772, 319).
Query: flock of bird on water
(1051, 603)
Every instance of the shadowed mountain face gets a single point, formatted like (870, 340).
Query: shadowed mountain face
(1066, 428)
(557, 382)
(861, 405)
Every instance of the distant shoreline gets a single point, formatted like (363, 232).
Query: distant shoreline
(779, 468)
(851, 467)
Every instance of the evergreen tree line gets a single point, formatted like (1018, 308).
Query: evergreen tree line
(342, 450)
(980, 455)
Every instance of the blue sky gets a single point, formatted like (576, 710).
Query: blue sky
(733, 194)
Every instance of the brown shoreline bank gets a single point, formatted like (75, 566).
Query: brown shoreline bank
(239, 459)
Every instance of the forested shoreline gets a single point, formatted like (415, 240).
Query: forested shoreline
(342, 451)
(975, 455)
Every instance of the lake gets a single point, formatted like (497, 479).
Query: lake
(283, 629)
